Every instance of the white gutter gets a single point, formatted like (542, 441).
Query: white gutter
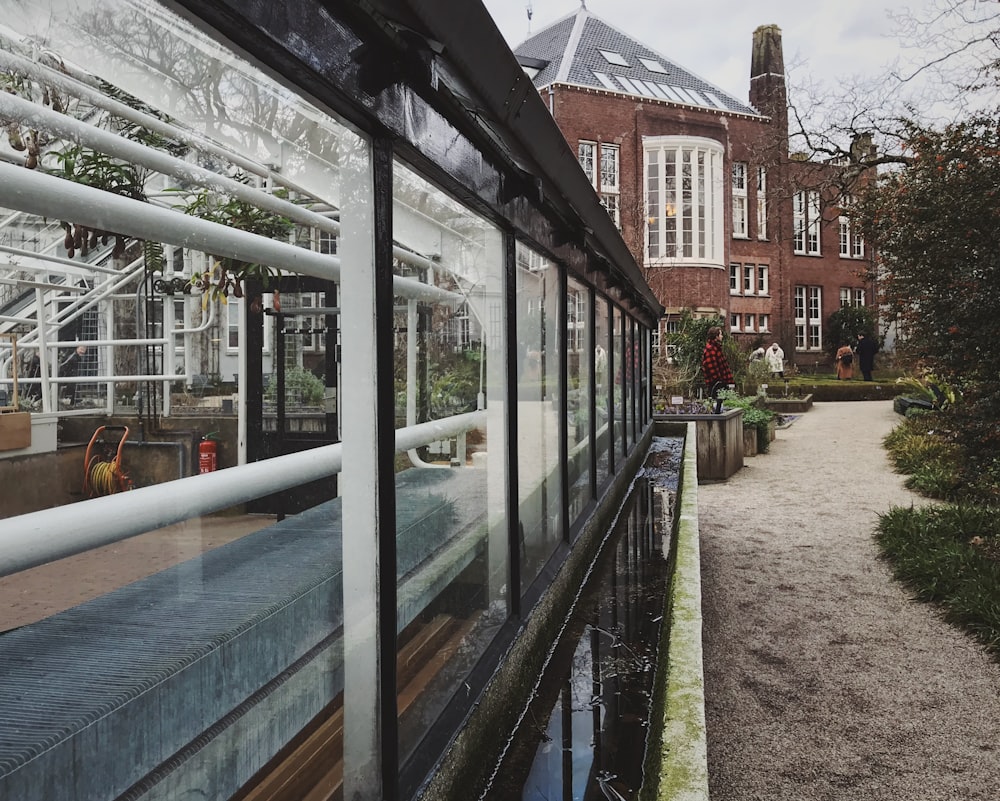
(39, 537)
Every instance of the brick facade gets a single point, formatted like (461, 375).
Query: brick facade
(601, 116)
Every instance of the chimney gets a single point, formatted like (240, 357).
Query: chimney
(768, 93)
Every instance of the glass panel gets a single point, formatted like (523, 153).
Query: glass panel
(602, 387)
(540, 490)
(451, 533)
(580, 386)
(147, 136)
(621, 384)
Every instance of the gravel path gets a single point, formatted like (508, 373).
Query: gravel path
(823, 679)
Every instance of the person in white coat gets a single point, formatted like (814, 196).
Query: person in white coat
(775, 358)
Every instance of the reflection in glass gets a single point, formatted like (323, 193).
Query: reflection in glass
(621, 384)
(538, 390)
(146, 137)
(451, 545)
(579, 387)
(602, 387)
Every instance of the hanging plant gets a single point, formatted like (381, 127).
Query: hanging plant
(227, 275)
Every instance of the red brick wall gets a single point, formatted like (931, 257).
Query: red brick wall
(599, 116)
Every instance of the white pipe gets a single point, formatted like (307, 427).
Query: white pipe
(40, 537)
(43, 353)
(48, 196)
(98, 99)
(74, 86)
(70, 129)
(75, 266)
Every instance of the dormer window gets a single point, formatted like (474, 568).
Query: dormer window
(652, 65)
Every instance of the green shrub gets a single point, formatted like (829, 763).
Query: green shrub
(949, 555)
(301, 386)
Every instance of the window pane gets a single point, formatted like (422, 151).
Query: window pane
(540, 489)
(619, 348)
(602, 387)
(450, 504)
(198, 615)
(580, 385)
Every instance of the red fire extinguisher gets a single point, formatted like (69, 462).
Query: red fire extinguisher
(207, 461)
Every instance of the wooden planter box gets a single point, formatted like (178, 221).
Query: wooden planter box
(719, 441)
(15, 431)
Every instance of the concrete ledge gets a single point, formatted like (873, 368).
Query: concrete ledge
(677, 766)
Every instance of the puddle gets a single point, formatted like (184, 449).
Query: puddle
(584, 734)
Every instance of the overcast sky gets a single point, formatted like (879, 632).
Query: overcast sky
(713, 38)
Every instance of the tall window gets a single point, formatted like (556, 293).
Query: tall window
(748, 279)
(610, 182)
(763, 286)
(684, 199)
(852, 244)
(808, 321)
(739, 199)
(805, 222)
(761, 203)
(600, 163)
(587, 153)
(734, 322)
(734, 279)
(765, 323)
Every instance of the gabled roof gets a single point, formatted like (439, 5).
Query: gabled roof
(583, 49)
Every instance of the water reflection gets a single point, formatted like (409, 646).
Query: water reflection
(584, 733)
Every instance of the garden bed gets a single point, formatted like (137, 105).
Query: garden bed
(719, 440)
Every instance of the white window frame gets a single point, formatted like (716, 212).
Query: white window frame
(815, 318)
(845, 297)
(761, 203)
(586, 153)
(765, 323)
(734, 278)
(806, 222)
(601, 164)
(684, 200)
(750, 322)
(739, 181)
(734, 321)
(808, 311)
(749, 279)
(763, 280)
(859, 297)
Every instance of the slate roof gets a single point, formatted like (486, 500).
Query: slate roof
(572, 48)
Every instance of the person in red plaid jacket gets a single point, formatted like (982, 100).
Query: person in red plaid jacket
(714, 367)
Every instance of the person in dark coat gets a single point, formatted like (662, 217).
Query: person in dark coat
(866, 355)
(714, 367)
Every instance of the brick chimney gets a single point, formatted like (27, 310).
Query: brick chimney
(768, 93)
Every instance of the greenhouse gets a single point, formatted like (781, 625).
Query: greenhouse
(321, 365)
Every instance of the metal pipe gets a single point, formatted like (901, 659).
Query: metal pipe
(48, 196)
(39, 537)
(75, 266)
(70, 129)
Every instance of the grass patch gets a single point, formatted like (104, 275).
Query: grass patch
(948, 554)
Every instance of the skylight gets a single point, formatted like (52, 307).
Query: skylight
(605, 79)
(652, 65)
(614, 58)
(629, 86)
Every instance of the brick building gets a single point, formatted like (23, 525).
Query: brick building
(722, 217)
